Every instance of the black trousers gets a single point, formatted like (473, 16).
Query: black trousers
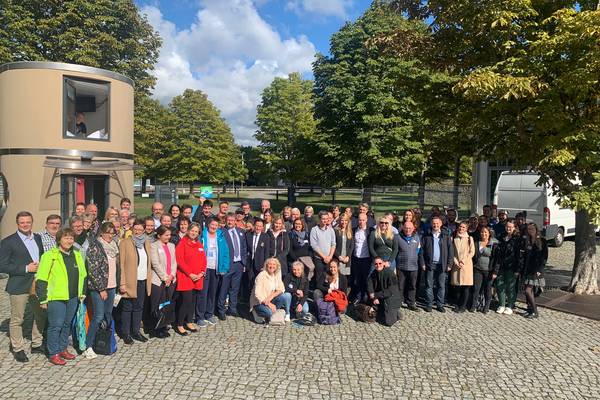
(131, 314)
(463, 296)
(407, 283)
(158, 295)
(482, 282)
(320, 268)
(359, 272)
(186, 307)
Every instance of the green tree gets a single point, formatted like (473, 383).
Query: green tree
(109, 34)
(528, 76)
(154, 132)
(259, 173)
(286, 128)
(206, 150)
(367, 123)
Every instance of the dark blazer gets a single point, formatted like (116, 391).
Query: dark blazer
(265, 248)
(13, 259)
(323, 286)
(201, 219)
(338, 246)
(281, 249)
(368, 233)
(243, 246)
(446, 250)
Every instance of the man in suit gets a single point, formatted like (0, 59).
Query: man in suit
(260, 247)
(19, 257)
(438, 256)
(230, 285)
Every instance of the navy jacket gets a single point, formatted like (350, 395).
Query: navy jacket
(243, 246)
(446, 250)
(264, 249)
(13, 259)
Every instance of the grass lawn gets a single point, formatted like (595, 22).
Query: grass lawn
(381, 203)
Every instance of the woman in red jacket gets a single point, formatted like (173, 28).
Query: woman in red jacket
(191, 268)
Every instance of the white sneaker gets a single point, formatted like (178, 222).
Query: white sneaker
(508, 311)
(500, 310)
(287, 318)
(89, 354)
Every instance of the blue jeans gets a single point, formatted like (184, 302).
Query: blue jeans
(60, 316)
(230, 286)
(436, 281)
(102, 312)
(282, 301)
(207, 297)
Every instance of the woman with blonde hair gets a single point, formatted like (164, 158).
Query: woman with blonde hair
(268, 294)
(462, 271)
(382, 243)
(111, 213)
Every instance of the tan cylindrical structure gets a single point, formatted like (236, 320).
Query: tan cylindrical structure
(48, 160)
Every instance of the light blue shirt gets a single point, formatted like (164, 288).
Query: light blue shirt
(436, 247)
(32, 247)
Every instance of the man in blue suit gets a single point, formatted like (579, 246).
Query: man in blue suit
(238, 251)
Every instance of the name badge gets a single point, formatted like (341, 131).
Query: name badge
(201, 250)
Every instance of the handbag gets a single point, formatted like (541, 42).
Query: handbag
(164, 315)
(79, 331)
(105, 343)
(278, 318)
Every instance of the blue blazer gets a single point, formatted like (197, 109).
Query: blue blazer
(243, 246)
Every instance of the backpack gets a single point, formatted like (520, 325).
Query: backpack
(326, 312)
(278, 318)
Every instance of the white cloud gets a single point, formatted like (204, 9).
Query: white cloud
(325, 8)
(231, 54)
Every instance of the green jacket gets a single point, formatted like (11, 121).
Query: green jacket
(51, 277)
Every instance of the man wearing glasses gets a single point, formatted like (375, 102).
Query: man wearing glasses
(48, 235)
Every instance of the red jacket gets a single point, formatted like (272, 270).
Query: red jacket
(340, 300)
(191, 259)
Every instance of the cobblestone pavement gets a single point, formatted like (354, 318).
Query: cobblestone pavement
(426, 356)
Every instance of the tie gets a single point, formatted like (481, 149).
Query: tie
(236, 246)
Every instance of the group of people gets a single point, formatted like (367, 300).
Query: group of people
(185, 270)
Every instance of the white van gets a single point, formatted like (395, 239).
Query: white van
(517, 191)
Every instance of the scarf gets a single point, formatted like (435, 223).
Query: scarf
(80, 240)
(463, 235)
(110, 249)
(300, 236)
(139, 240)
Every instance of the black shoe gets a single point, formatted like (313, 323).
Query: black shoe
(472, 309)
(165, 333)
(233, 313)
(459, 310)
(413, 307)
(127, 340)
(485, 310)
(181, 333)
(21, 357)
(532, 315)
(428, 309)
(222, 317)
(139, 337)
(441, 309)
(38, 350)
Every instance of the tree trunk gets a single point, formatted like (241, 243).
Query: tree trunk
(422, 181)
(191, 190)
(291, 195)
(584, 279)
(143, 186)
(456, 183)
(367, 195)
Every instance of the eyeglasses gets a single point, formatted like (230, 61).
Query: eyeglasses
(384, 223)
(378, 263)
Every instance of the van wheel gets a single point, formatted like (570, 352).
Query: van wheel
(559, 239)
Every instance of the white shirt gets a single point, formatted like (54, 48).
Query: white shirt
(212, 253)
(361, 247)
(142, 269)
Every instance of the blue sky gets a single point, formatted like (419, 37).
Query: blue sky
(232, 49)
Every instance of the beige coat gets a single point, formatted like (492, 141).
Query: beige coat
(464, 250)
(262, 287)
(128, 257)
(159, 262)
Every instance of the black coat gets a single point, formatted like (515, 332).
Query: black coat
(281, 249)
(508, 255)
(13, 259)
(265, 248)
(384, 285)
(298, 249)
(201, 219)
(446, 250)
(292, 284)
(534, 259)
